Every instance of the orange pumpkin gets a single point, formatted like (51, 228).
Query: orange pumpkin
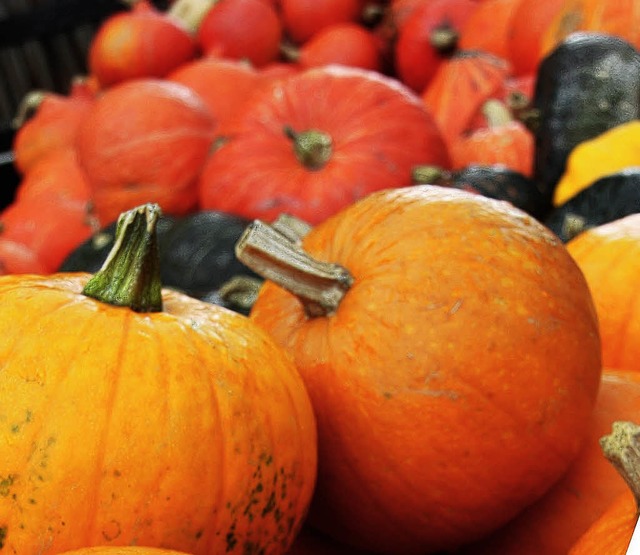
(318, 141)
(612, 532)
(609, 257)
(450, 348)
(48, 121)
(620, 18)
(145, 140)
(502, 140)
(495, 15)
(459, 89)
(130, 414)
(141, 42)
(554, 523)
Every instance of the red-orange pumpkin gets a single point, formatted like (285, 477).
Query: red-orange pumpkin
(609, 257)
(133, 414)
(452, 357)
(318, 141)
(141, 42)
(145, 140)
(49, 121)
(460, 88)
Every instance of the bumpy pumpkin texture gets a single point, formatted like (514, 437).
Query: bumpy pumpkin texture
(454, 380)
(163, 422)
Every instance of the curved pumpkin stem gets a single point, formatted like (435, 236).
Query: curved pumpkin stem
(320, 286)
(130, 275)
(28, 107)
(312, 148)
(622, 449)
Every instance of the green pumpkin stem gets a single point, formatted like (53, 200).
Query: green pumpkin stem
(130, 275)
(191, 13)
(320, 286)
(312, 148)
(622, 450)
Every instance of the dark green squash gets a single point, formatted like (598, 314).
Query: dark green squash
(197, 256)
(588, 84)
(493, 181)
(607, 199)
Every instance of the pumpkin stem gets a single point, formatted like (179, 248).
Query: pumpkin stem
(444, 39)
(130, 275)
(291, 227)
(191, 13)
(496, 113)
(28, 107)
(429, 175)
(622, 450)
(319, 285)
(312, 148)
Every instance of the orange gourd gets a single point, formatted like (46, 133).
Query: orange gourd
(450, 348)
(612, 532)
(554, 523)
(609, 257)
(132, 414)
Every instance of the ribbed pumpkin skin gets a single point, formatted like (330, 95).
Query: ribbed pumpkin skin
(455, 381)
(186, 429)
(609, 256)
(378, 128)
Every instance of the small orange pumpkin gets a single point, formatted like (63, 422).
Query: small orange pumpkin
(450, 348)
(132, 414)
(609, 257)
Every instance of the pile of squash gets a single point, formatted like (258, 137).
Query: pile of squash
(291, 277)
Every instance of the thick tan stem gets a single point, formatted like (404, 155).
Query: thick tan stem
(319, 285)
(291, 227)
(622, 449)
(191, 12)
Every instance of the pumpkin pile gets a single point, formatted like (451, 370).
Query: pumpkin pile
(293, 277)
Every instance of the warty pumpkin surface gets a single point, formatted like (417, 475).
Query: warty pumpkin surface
(186, 428)
(454, 382)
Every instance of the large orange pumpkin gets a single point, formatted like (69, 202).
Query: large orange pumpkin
(450, 347)
(135, 415)
(609, 257)
(554, 523)
(318, 141)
